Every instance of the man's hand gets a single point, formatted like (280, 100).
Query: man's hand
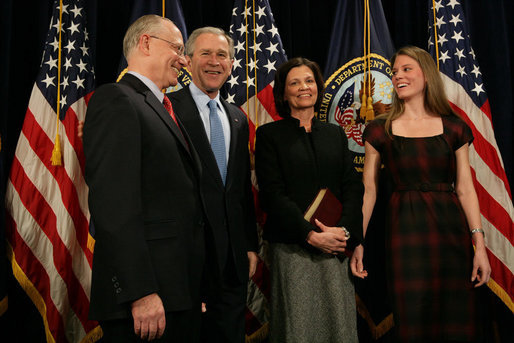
(149, 317)
(253, 259)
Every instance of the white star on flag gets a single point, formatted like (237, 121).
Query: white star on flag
(461, 71)
(73, 28)
(478, 89)
(444, 56)
(82, 66)
(270, 66)
(84, 49)
(459, 53)
(455, 19)
(76, 11)
(67, 63)
(476, 71)
(70, 46)
(48, 81)
(52, 63)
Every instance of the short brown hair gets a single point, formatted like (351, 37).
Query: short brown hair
(279, 87)
(190, 44)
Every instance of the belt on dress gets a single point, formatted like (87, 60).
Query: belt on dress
(426, 187)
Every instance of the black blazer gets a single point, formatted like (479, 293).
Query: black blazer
(292, 166)
(230, 208)
(143, 177)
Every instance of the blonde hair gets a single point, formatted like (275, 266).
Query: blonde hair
(435, 99)
(150, 24)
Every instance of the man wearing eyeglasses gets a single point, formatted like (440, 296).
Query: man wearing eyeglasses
(143, 175)
(219, 132)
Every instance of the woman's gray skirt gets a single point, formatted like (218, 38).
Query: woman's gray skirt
(312, 297)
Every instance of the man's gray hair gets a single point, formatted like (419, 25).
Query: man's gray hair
(190, 44)
(150, 24)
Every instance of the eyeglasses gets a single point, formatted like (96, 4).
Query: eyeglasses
(179, 49)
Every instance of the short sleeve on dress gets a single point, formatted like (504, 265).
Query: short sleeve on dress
(459, 132)
(375, 134)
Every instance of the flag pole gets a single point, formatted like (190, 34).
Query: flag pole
(256, 114)
(435, 36)
(56, 158)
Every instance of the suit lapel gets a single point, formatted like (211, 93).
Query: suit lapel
(165, 116)
(157, 106)
(187, 111)
(235, 128)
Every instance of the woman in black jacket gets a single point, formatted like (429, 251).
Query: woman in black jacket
(312, 295)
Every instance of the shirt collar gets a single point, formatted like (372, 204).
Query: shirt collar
(200, 98)
(150, 84)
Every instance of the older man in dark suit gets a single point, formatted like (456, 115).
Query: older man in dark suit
(143, 175)
(219, 132)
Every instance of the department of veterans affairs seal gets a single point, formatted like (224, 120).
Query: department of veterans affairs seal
(352, 99)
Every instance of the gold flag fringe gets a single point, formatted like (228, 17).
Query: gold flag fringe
(4, 303)
(379, 330)
(259, 336)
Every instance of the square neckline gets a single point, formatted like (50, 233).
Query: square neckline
(433, 136)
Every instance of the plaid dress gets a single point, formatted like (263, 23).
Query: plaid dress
(428, 242)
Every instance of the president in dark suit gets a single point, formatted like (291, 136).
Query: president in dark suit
(143, 176)
(219, 132)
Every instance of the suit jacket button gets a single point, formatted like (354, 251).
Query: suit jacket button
(118, 290)
(114, 279)
(116, 284)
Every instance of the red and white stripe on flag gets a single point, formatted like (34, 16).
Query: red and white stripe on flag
(49, 245)
(492, 188)
(450, 44)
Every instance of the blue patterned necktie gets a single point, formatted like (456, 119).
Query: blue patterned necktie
(218, 139)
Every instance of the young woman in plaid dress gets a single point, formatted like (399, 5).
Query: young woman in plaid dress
(433, 213)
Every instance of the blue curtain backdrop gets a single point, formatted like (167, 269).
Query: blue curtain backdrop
(305, 27)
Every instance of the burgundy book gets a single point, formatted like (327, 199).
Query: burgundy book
(325, 207)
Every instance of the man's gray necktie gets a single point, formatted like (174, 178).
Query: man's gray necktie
(218, 139)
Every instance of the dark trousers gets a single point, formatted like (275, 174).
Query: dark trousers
(181, 327)
(224, 321)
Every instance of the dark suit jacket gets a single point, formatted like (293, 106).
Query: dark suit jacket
(229, 209)
(292, 166)
(144, 200)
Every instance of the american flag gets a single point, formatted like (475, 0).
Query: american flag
(258, 53)
(450, 44)
(47, 226)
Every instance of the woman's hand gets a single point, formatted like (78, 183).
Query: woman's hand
(356, 264)
(331, 240)
(481, 267)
